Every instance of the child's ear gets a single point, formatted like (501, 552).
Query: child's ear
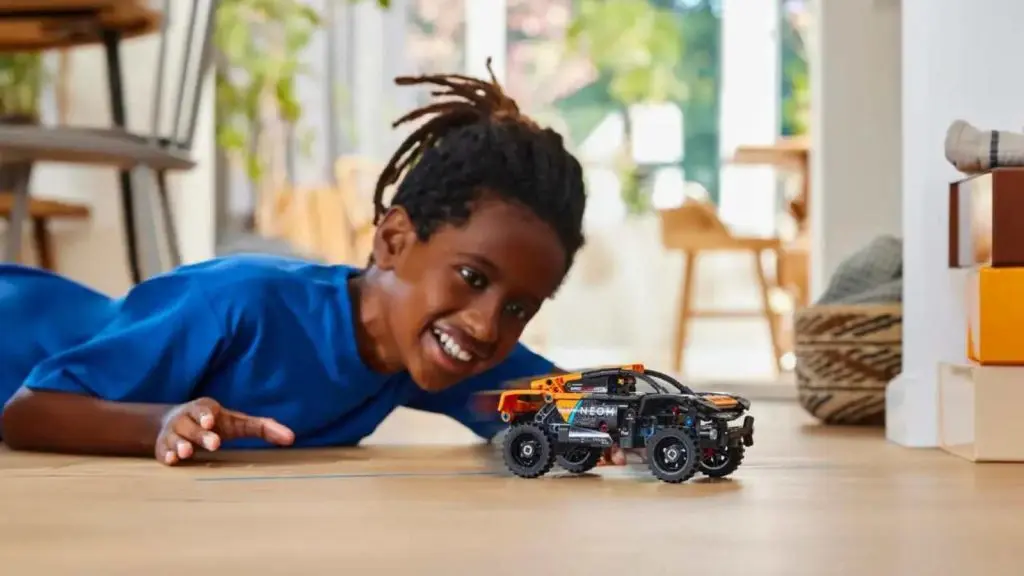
(394, 236)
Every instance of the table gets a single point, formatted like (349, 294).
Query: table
(38, 25)
(788, 154)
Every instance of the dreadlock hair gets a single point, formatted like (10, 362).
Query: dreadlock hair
(477, 141)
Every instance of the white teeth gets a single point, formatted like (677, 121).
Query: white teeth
(451, 347)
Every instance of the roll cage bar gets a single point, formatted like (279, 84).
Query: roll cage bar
(646, 376)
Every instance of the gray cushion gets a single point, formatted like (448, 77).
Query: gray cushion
(872, 275)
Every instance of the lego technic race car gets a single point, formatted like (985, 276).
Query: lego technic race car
(573, 418)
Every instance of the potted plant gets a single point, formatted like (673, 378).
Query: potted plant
(259, 51)
(22, 80)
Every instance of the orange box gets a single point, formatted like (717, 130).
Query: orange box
(995, 311)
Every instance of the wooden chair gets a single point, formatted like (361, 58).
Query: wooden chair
(41, 212)
(693, 228)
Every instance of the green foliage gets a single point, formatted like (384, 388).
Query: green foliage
(260, 43)
(22, 79)
(637, 43)
(795, 80)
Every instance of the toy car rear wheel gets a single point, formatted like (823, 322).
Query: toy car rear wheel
(722, 461)
(672, 455)
(528, 451)
(579, 459)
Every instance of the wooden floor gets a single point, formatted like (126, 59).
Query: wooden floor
(809, 501)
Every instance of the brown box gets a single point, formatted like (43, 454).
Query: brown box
(980, 412)
(986, 219)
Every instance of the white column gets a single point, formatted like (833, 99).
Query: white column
(960, 60)
(855, 79)
(750, 110)
(366, 90)
(486, 31)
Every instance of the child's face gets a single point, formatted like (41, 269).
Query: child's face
(459, 302)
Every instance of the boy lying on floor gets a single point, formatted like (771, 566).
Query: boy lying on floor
(258, 351)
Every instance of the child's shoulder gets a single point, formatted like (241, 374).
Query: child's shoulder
(249, 267)
(257, 273)
(250, 282)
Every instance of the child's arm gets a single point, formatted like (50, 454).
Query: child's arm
(516, 371)
(109, 395)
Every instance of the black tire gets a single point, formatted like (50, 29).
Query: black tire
(528, 451)
(722, 462)
(579, 459)
(672, 455)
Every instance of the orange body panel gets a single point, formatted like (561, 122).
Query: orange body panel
(518, 401)
(720, 401)
(554, 383)
(513, 402)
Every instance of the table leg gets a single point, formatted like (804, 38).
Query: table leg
(111, 45)
(19, 215)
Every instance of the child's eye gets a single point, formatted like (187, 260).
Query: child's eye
(518, 311)
(473, 278)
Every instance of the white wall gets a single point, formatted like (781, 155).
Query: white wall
(855, 129)
(959, 61)
(94, 252)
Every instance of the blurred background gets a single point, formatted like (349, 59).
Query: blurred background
(693, 119)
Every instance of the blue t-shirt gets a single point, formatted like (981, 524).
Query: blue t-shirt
(264, 335)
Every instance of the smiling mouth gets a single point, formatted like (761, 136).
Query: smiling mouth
(450, 347)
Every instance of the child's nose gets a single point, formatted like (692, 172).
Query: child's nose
(483, 322)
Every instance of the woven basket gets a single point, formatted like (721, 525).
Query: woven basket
(845, 357)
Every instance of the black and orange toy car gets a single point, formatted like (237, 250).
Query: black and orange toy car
(573, 418)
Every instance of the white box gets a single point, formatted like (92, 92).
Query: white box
(980, 412)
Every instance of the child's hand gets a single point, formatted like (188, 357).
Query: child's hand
(614, 456)
(205, 423)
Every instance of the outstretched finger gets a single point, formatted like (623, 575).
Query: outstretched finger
(276, 433)
(244, 426)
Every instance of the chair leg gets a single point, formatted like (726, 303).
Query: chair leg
(112, 46)
(44, 248)
(769, 313)
(19, 215)
(685, 311)
(168, 218)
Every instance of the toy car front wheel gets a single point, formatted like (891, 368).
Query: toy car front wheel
(722, 461)
(579, 459)
(672, 455)
(528, 451)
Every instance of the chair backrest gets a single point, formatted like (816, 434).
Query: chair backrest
(197, 45)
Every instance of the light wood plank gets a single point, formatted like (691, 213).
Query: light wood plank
(809, 501)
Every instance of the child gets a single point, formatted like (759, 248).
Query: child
(257, 351)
